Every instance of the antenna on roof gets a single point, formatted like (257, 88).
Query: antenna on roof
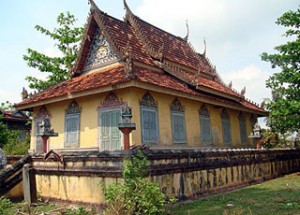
(204, 52)
(188, 30)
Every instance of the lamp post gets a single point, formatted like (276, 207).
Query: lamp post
(126, 126)
(45, 132)
(256, 135)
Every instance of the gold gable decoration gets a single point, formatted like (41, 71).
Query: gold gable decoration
(177, 106)
(100, 53)
(148, 101)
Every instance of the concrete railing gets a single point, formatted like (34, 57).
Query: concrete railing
(12, 175)
(181, 173)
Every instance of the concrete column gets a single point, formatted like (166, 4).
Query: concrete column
(29, 185)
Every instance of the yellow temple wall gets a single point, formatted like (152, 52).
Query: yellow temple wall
(180, 173)
(89, 134)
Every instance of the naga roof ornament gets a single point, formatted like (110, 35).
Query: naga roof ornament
(93, 5)
(188, 31)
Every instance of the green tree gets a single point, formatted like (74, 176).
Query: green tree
(284, 107)
(3, 133)
(66, 37)
(6, 105)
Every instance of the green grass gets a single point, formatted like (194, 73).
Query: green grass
(276, 197)
(7, 208)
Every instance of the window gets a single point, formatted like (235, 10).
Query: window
(178, 122)
(226, 128)
(109, 118)
(150, 134)
(205, 127)
(72, 125)
(243, 130)
(253, 120)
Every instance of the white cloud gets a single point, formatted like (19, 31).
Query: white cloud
(254, 80)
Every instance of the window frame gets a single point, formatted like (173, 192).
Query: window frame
(101, 113)
(156, 139)
(243, 132)
(182, 115)
(205, 115)
(73, 111)
(225, 121)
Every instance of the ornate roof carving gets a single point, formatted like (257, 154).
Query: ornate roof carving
(224, 114)
(73, 108)
(100, 53)
(176, 106)
(148, 101)
(188, 31)
(147, 54)
(204, 111)
(110, 101)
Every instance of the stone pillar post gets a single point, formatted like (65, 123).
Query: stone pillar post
(126, 131)
(29, 185)
(45, 145)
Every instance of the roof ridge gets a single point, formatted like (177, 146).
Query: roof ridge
(135, 16)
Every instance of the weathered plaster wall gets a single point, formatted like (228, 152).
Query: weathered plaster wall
(89, 134)
(180, 173)
(16, 192)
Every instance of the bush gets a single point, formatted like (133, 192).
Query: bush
(14, 145)
(136, 194)
(79, 211)
(272, 139)
(4, 204)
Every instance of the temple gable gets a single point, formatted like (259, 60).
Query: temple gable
(100, 53)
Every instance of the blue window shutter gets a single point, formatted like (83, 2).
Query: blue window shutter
(149, 125)
(178, 127)
(226, 128)
(72, 129)
(205, 127)
(243, 130)
(72, 125)
(226, 131)
(110, 136)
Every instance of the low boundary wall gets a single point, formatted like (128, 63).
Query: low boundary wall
(76, 177)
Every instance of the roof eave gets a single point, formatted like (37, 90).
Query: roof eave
(215, 92)
(138, 84)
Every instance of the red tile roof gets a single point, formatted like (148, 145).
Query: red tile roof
(147, 45)
(174, 48)
(94, 80)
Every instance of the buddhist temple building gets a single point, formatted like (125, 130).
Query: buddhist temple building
(16, 121)
(176, 96)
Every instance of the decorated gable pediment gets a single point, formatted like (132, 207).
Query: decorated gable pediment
(100, 53)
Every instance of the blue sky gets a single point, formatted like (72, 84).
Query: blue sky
(236, 33)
